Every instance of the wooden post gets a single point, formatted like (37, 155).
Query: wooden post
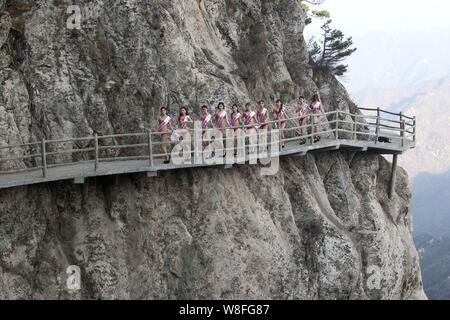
(96, 151)
(150, 148)
(44, 159)
(354, 127)
(414, 129)
(311, 121)
(393, 175)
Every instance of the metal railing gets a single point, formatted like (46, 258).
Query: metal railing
(374, 127)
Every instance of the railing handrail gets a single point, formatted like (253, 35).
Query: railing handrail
(388, 112)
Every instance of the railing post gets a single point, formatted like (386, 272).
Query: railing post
(150, 147)
(414, 129)
(311, 122)
(244, 146)
(402, 129)
(96, 151)
(402, 133)
(44, 159)
(354, 127)
(337, 125)
(377, 130)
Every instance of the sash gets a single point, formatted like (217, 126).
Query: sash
(220, 118)
(164, 123)
(249, 117)
(262, 114)
(183, 124)
(281, 115)
(235, 118)
(316, 106)
(206, 121)
(302, 110)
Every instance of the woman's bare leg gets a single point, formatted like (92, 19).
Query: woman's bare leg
(282, 127)
(317, 126)
(187, 141)
(163, 146)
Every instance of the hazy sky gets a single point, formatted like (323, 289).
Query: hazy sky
(357, 17)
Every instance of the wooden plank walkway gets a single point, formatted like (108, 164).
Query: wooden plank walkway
(152, 163)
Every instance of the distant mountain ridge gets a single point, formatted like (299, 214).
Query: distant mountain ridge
(430, 103)
(434, 253)
(431, 204)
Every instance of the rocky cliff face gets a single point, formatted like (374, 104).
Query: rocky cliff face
(323, 227)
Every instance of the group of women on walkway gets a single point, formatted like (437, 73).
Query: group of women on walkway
(250, 120)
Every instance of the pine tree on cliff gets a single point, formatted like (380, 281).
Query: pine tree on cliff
(334, 48)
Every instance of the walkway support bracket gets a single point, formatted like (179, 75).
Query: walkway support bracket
(152, 174)
(78, 180)
(393, 175)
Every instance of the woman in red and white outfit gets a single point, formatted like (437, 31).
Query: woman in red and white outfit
(280, 114)
(164, 127)
(316, 109)
(184, 120)
(263, 120)
(235, 122)
(235, 118)
(302, 112)
(183, 134)
(250, 120)
(206, 120)
(263, 116)
(221, 121)
(221, 117)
